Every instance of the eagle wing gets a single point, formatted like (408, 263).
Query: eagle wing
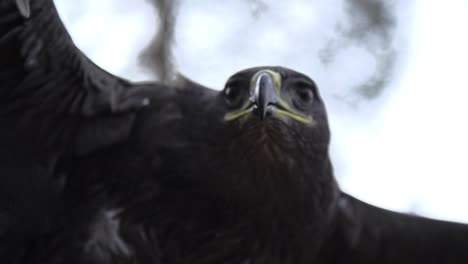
(41, 67)
(55, 104)
(368, 234)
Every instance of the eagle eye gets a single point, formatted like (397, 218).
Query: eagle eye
(304, 94)
(232, 95)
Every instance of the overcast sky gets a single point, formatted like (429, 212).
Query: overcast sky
(392, 73)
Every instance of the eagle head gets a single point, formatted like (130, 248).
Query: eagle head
(275, 113)
(272, 132)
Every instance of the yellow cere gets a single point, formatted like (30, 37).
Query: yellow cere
(300, 118)
(236, 114)
(288, 111)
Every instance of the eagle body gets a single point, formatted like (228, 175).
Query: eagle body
(96, 169)
(167, 207)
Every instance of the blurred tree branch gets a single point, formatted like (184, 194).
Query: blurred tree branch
(369, 24)
(158, 56)
(257, 7)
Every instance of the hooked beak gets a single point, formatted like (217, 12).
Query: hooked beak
(265, 94)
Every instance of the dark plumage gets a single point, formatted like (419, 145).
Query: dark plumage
(96, 169)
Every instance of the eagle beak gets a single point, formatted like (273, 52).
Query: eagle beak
(265, 93)
(265, 100)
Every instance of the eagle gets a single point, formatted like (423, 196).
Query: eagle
(96, 169)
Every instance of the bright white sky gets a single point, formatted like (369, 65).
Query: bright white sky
(406, 150)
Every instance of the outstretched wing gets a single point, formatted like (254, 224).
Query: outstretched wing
(45, 78)
(368, 234)
(41, 67)
(54, 104)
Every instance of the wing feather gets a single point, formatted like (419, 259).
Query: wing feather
(42, 69)
(367, 234)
